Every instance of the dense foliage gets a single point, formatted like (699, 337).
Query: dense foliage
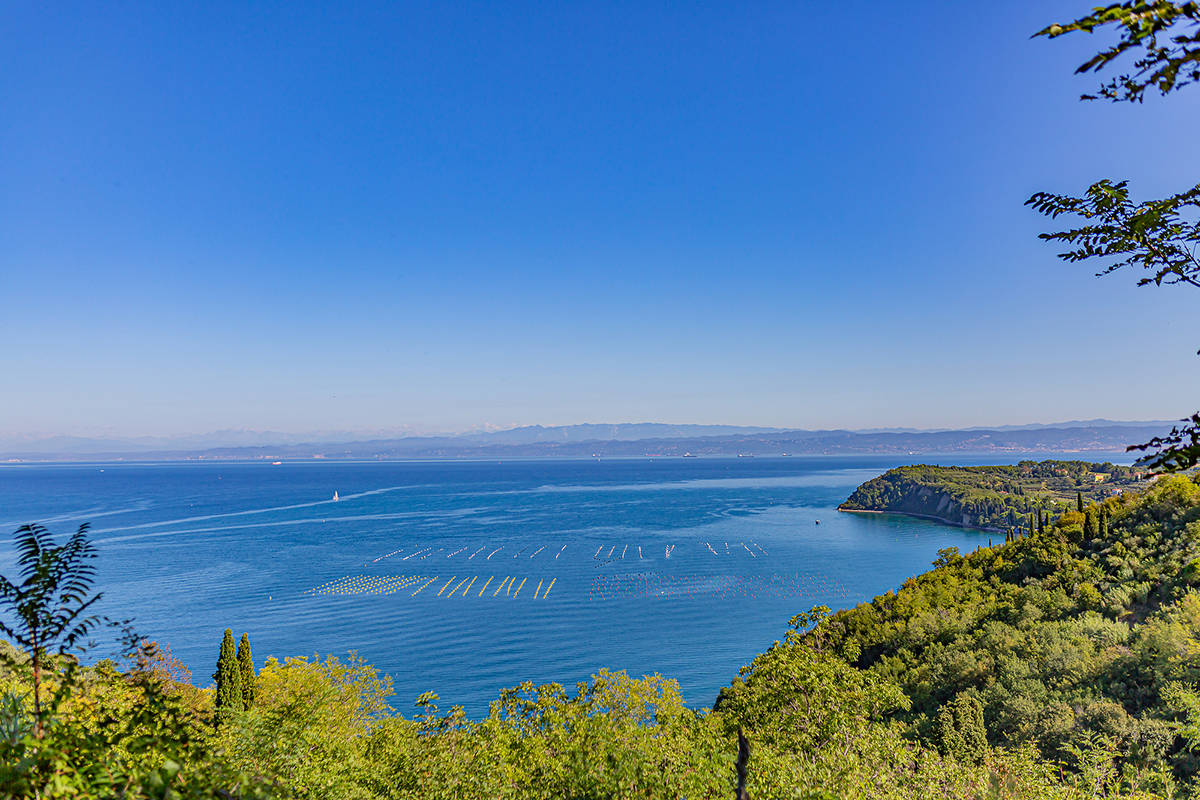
(999, 498)
(1059, 641)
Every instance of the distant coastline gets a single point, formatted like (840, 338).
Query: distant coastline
(617, 441)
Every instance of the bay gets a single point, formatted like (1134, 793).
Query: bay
(463, 578)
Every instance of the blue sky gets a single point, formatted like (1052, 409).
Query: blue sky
(295, 216)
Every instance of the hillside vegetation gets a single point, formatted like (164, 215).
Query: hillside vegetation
(999, 498)
(1060, 665)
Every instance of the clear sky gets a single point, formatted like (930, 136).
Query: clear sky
(296, 216)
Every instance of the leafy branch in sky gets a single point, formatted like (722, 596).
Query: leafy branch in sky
(1160, 236)
(1165, 36)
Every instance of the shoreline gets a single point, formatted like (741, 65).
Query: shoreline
(942, 520)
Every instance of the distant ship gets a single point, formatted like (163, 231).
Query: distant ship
(335, 496)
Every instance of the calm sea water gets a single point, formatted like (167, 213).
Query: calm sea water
(683, 567)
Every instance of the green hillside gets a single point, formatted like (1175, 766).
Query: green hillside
(999, 498)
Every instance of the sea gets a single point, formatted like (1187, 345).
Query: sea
(463, 578)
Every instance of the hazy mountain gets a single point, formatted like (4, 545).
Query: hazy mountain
(593, 432)
(621, 440)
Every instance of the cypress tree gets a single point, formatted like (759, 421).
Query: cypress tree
(229, 680)
(1090, 528)
(1103, 523)
(246, 667)
(1079, 501)
(1041, 522)
(960, 730)
(1031, 524)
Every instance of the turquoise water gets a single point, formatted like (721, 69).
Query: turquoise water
(730, 549)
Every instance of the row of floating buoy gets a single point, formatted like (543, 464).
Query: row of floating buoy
(602, 554)
(612, 554)
(366, 584)
(389, 584)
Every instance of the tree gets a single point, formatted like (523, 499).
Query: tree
(229, 681)
(47, 609)
(1090, 527)
(1161, 236)
(1103, 523)
(1079, 502)
(246, 667)
(960, 730)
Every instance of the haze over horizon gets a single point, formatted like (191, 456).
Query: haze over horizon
(239, 437)
(308, 218)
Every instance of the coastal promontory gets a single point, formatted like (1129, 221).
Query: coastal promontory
(999, 498)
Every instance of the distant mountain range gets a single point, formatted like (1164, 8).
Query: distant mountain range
(588, 440)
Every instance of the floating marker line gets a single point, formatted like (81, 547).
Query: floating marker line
(560, 552)
(452, 577)
(748, 550)
(709, 546)
(387, 555)
(598, 549)
(484, 589)
(759, 546)
(426, 583)
(727, 548)
(508, 591)
(538, 589)
(477, 552)
(610, 551)
(455, 589)
(497, 550)
(518, 591)
(469, 585)
(639, 551)
(456, 552)
(623, 551)
(522, 550)
(548, 588)
(535, 552)
(501, 586)
(410, 555)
